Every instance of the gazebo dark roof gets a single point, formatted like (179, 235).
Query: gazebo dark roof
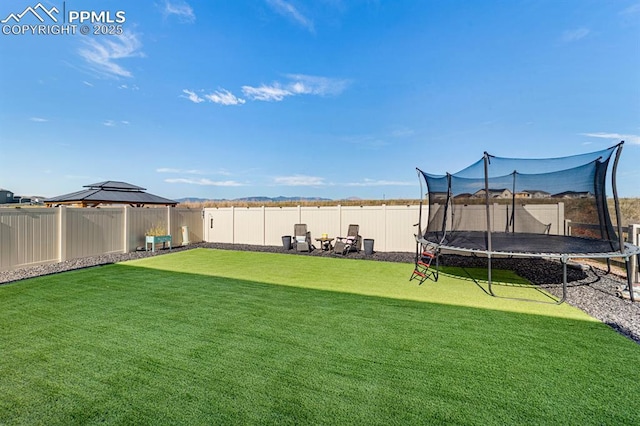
(111, 192)
(114, 184)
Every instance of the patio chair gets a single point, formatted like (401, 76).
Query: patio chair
(352, 242)
(301, 237)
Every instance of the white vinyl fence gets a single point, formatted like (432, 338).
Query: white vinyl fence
(35, 236)
(391, 227)
(630, 234)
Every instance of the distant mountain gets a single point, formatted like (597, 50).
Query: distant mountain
(192, 200)
(253, 199)
(281, 198)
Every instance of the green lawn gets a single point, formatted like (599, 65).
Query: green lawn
(222, 337)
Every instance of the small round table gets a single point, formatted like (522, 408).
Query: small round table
(325, 243)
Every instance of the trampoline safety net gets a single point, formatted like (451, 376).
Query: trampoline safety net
(501, 196)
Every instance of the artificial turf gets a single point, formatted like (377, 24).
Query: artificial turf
(223, 337)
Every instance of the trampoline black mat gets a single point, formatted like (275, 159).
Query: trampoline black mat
(522, 243)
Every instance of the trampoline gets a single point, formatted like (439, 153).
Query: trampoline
(500, 207)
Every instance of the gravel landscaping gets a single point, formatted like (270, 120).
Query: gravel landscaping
(590, 289)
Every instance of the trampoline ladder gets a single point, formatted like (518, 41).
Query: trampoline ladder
(422, 269)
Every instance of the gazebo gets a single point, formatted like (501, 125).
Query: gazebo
(110, 192)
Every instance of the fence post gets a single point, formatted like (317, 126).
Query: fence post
(168, 220)
(205, 236)
(62, 233)
(125, 226)
(560, 217)
(384, 231)
(264, 226)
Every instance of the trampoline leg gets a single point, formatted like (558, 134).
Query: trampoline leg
(489, 274)
(564, 281)
(630, 279)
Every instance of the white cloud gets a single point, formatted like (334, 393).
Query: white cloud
(632, 139)
(205, 182)
(86, 83)
(181, 10)
(575, 35)
(224, 97)
(127, 87)
(299, 84)
(372, 182)
(266, 93)
(102, 54)
(192, 96)
(113, 123)
(299, 180)
(315, 85)
(289, 11)
(39, 119)
(221, 96)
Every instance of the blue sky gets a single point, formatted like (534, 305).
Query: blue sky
(325, 98)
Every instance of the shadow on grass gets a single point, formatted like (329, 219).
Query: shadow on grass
(533, 270)
(480, 279)
(539, 275)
